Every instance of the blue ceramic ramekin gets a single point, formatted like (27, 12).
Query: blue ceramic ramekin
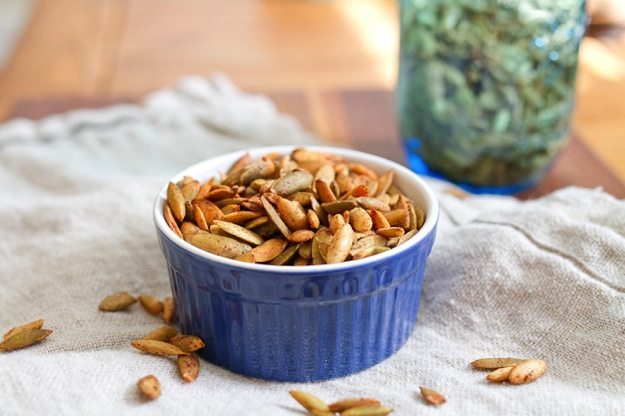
(299, 323)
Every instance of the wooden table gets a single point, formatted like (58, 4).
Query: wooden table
(365, 120)
(331, 64)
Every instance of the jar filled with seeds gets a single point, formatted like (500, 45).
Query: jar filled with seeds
(486, 87)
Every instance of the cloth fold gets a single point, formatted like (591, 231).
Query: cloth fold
(544, 278)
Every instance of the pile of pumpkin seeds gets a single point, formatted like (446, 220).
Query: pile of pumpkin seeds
(486, 87)
(301, 208)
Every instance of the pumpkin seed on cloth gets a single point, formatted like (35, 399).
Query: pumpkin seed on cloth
(345, 404)
(189, 367)
(117, 302)
(149, 387)
(169, 310)
(432, 396)
(24, 338)
(37, 324)
(292, 198)
(155, 347)
(151, 304)
(187, 343)
(163, 333)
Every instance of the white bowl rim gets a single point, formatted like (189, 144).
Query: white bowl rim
(432, 213)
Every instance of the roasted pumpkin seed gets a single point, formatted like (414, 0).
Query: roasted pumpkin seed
(175, 199)
(149, 387)
(169, 310)
(499, 375)
(494, 363)
(367, 411)
(268, 250)
(154, 347)
(24, 338)
(163, 333)
(189, 367)
(297, 180)
(292, 214)
(218, 244)
(432, 396)
(527, 371)
(38, 324)
(117, 302)
(275, 218)
(338, 250)
(345, 404)
(239, 232)
(187, 343)
(170, 220)
(301, 236)
(309, 401)
(360, 220)
(286, 255)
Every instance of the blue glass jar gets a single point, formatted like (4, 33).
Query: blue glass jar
(486, 87)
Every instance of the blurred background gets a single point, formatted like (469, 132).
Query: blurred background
(331, 64)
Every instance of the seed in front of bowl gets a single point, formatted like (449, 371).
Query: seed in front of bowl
(149, 387)
(273, 209)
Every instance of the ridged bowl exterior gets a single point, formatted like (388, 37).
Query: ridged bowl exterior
(301, 326)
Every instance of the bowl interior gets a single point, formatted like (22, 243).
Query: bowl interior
(410, 184)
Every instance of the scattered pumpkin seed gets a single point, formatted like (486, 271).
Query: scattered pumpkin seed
(151, 304)
(345, 404)
(527, 371)
(149, 387)
(24, 338)
(494, 363)
(163, 333)
(367, 411)
(169, 310)
(189, 367)
(117, 302)
(432, 396)
(309, 401)
(37, 324)
(499, 375)
(187, 343)
(155, 347)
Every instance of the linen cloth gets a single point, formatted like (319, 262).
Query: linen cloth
(544, 278)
